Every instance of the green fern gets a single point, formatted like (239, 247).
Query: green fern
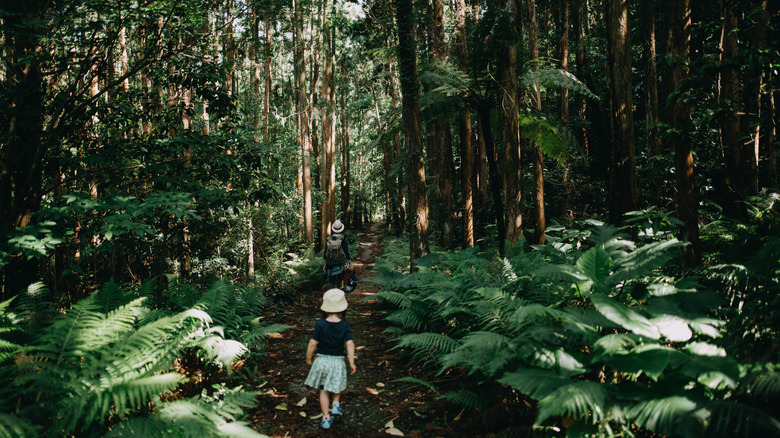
(12, 426)
(578, 400)
(467, 399)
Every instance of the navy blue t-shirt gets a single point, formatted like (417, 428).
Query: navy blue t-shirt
(331, 337)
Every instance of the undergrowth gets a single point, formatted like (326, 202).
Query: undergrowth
(603, 333)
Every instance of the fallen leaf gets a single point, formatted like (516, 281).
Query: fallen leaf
(380, 384)
(302, 402)
(303, 414)
(394, 432)
(389, 425)
(457, 417)
(372, 391)
(281, 407)
(316, 416)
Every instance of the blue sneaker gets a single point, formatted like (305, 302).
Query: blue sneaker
(335, 410)
(326, 422)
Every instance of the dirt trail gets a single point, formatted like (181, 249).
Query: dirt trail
(372, 398)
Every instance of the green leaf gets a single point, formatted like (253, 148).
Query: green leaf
(534, 382)
(578, 399)
(596, 264)
(624, 316)
(663, 415)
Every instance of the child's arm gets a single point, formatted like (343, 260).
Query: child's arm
(310, 351)
(351, 355)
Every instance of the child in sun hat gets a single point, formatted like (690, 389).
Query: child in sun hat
(328, 372)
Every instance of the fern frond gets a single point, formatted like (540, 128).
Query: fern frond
(467, 399)
(402, 301)
(12, 426)
(765, 385)
(553, 78)
(416, 381)
(428, 344)
(414, 318)
(126, 396)
(663, 415)
(612, 240)
(534, 382)
(644, 260)
(487, 353)
(578, 399)
(728, 418)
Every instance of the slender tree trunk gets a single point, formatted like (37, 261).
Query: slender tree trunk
(268, 50)
(728, 96)
(651, 77)
(345, 162)
(464, 130)
(328, 129)
(495, 185)
(753, 84)
(536, 150)
(624, 196)
(579, 33)
(302, 121)
(510, 128)
(418, 198)
(680, 26)
(385, 159)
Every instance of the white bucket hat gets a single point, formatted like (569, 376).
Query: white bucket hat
(334, 301)
(338, 226)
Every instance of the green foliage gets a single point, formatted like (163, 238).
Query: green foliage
(592, 328)
(111, 360)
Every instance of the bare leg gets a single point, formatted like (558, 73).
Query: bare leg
(336, 398)
(325, 403)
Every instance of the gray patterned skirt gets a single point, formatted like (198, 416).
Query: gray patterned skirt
(328, 373)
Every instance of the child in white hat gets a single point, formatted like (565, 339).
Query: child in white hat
(328, 371)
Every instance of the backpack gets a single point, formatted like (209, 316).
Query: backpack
(334, 253)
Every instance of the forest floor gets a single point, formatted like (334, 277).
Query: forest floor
(374, 403)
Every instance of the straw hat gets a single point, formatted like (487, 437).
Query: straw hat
(334, 301)
(338, 226)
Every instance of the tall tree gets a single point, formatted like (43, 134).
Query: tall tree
(327, 112)
(418, 198)
(680, 38)
(302, 122)
(510, 128)
(464, 130)
(729, 99)
(537, 157)
(623, 194)
(651, 77)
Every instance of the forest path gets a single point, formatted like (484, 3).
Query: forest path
(288, 408)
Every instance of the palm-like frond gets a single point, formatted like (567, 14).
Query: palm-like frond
(578, 400)
(486, 353)
(534, 382)
(665, 415)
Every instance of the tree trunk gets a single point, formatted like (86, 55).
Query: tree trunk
(536, 151)
(302, 112)
(624, 196)
(651, 77)
(345, 162)
(464, 131)
(495, 186)
(753, 84)
(328, 129)
(418, 198)
(680, 26)
(728, 96)
(510, 128)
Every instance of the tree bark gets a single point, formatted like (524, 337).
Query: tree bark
(418, 198)
(536, 149)
(624, 196)
(302, 112)
(510, 128)
(328, 128)
(680, 27)
(728, 96)
(651, 77)
(464, 131)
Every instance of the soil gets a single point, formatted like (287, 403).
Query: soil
(373, 398)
